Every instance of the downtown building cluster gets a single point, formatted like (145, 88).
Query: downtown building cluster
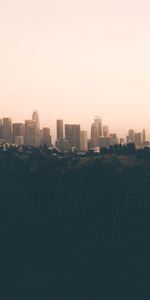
(27, 133)
(69, 137)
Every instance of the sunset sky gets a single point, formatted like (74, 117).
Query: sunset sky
(76, 59)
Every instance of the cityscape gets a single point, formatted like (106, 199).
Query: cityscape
(69, 137)
(75, 149)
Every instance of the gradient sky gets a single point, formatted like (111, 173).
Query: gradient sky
(74, 59)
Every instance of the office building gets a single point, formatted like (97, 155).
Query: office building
(143, 137)
(104, 142)
(1, 129)
(30, 133)
(59, 125)
(131, 136)
(122, 141)
(62, 144)
(18, 131)
(96, 131)
(98, 123)
(105, 131)
(7, 130)
(35, 118)
(90, 146)
(138, 139)
(94, 135)
(19, 140)
(83, 141)
(46, 137)
(72, 134)
(114, 139)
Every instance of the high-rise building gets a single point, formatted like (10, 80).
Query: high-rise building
(96, 131)
(1, 129)
(122, 141)
(98, 122)
(138, 139)
(83, 141)
(19, 140)
(18, 131)
(7, 130)
(131, 136)
(40, 136)
(62, 144)
(90, 145)
(143, 136)
(104, 142)
(114, 139)
(72, 134)
(105, 131)
(46, 137)
(60, 130)
(35, 118)
(30, 133)
(94, 135)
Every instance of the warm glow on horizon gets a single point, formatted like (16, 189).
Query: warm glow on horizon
(75, 59)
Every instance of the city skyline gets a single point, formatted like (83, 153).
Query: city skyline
(85, 125)
(79, 58)
(68, 136)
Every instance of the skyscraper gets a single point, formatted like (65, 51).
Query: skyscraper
(143, 136)
(18, 131)
(83, 141)
(104, 141)
(1, 129)
(72, 134)
(35, 118)
(30, 133)
(96, 131)
(105, 131)
(94, 135)
(98, 123)
(138, 139)
(46, 137)
(7, 130)
(59, 125)
(131, 136)
(114, 139)
(62, 144)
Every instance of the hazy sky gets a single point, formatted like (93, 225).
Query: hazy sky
(74, 59)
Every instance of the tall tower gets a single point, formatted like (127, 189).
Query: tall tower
(59, 125)
(94, 135)
(7, 130)
(131, 136)
(105, 131)
(143, 136)
(83, 141)
(72, 135)
(46, 137)
(98, 123)
(35, 118)
(96, 131)
(1, 129)
(30, 133)
(18, 131)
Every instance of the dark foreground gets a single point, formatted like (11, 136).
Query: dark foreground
(74, 228)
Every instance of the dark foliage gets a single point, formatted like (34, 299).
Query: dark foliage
(74, 228)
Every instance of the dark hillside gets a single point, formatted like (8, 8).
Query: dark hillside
(74, 228)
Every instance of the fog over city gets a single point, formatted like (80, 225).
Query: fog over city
(76, 59)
